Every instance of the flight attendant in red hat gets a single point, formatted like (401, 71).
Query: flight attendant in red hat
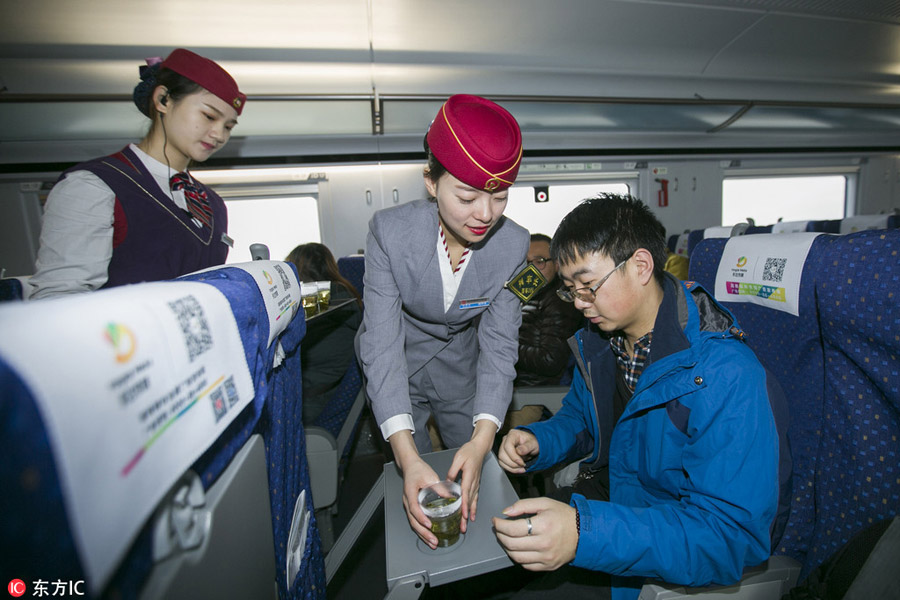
(440, 328)
(139, 215)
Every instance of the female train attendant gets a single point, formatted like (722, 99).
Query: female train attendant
(138, 215)
(439, 334)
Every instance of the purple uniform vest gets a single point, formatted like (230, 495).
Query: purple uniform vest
(154, 239)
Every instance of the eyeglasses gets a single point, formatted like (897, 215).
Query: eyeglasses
(540, 261)
(587, 294)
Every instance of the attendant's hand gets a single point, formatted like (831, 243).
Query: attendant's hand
(469, 459)
(553, 539)
(416, 475)
(518, 446)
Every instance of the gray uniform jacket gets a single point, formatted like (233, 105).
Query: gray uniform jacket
(405, 328)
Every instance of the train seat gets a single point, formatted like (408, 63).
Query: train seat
(825, 226)
(329, 441)
(40, 535)
(857, 475)
(789, 346)
(331, 436)
(298, 547)
(353, 267)
(698, 235)
(681, 246)
(864, 222)
(11, 288)
(672, 242)
(791, 227)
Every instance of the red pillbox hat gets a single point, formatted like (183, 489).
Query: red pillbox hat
(207, 74)
(477, 141)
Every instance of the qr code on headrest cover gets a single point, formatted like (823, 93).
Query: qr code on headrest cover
(774, 269)
(197, 338)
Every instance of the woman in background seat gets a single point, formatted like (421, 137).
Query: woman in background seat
(327, 347)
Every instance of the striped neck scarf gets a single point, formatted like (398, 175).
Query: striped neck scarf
(462, 258)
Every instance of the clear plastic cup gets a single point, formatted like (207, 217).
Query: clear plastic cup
(323, 294)
(442, 504)
(309, 294)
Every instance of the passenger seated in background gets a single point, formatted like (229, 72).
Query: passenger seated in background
(672, 412)
(675, 264)
(327, 347)
(138, 215)
(547, 324)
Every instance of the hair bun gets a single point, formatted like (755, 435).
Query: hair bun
(144, 89)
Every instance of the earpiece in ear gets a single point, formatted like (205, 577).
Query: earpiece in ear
(164, 99)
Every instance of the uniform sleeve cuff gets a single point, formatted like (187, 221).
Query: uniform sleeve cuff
(397, 423)
(491, 418)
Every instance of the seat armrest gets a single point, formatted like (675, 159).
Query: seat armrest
(548, 396)
(769, 581)
(322, 456)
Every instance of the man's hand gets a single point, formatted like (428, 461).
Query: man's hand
(518, 446)
(553, 539)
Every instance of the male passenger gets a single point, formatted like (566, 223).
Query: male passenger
(670, 412)
(547, 323)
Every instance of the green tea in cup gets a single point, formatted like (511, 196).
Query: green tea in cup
(442, 504)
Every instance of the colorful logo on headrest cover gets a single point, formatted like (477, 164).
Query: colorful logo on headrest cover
(742, 261)
(768, 292)
(122, 340)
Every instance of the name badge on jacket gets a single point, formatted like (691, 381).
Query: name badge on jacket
(526, 283)
(474, 303)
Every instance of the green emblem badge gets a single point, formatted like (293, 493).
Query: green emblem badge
(526, 283)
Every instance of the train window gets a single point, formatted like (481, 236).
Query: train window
(280, 223)
(769, 199)
(544, 216)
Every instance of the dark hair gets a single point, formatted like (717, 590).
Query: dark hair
(434, 170)
(177, 87)
(613, 225)
(315, 262)
(540, 237)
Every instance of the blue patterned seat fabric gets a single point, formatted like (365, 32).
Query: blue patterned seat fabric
(10, 289)
(336, 411)
(35, 538)
(353, 268)
(839, 363)
(827, 226)
(279, 394)
(858, 476)
(791, 349)
(694, 238)
(672, 242)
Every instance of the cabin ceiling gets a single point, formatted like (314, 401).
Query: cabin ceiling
(364, 78)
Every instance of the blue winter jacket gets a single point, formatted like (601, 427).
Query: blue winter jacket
(693, 461)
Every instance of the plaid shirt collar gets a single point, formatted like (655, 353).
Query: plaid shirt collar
(631, 368)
